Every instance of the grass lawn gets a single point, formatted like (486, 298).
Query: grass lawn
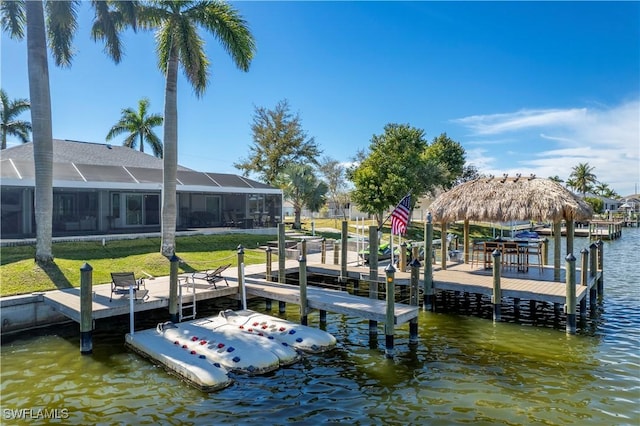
(19, 274)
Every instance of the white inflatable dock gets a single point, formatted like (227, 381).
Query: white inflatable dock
(299, 336)
(203, 351)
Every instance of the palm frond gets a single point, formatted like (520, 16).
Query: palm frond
(14, 19)
(61, 27)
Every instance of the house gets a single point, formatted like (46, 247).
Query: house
(101, 188)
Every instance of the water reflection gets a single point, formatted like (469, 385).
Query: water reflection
(465, 369)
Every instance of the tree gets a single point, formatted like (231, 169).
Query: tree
(469, 173)
(450, 154)
(60, 28)
(334, 176)
(301, 186)
(139, 126)
(603, 190)
(177, 25)
(397, 164)
(556, 179)
(9, 123)
(278, 140)
(583, 178)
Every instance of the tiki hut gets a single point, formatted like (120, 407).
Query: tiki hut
(502, 199)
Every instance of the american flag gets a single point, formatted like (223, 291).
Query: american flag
(400, 216)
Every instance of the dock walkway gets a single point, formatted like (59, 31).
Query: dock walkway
(67, 301)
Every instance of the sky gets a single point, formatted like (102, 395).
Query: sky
(524, 87)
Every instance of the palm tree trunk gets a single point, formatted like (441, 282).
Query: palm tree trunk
(141, 143)
(170, 165)
(41, 127)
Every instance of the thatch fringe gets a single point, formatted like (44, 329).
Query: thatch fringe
(501, 199)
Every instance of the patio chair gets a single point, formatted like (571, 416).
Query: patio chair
(211, 276)
(121, 281)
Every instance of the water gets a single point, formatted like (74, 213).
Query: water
(465, 370)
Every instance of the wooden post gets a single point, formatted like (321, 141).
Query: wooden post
(584, 280)
(343, 257)
(323, 255)
(570, 306)
(557, 241)
(303, 248)
(336, 253)
(373, 274)
(444, 246)
(413, 299)
(466, 242)
(390, 317)
(269, 252)
(173, 289)
(496, 298)
(303, 290)
(570, 224)
(269, 273)
(593, 272)
(428, 303)
(86, 309)
(242, 301)
(601, 268)
(545, 251)
(403, 257)
(282, 257)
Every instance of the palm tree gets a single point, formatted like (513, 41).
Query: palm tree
(301, 186)
(61, 25)
(139, 126)
(583, 178)
(178, 42)
(9, 125)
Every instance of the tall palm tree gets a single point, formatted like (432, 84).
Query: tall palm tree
(9, 124)
(583, 178)
(139, 126)
(178, 42)
(61, 25)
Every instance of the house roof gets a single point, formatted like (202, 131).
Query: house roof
(94, 165)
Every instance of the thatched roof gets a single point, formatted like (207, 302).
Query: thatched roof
(502, 199)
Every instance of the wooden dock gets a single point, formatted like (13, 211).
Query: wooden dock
(67, 301)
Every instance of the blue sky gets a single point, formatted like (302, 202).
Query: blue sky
(524, 87)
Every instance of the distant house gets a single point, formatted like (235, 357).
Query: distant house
(101, 188)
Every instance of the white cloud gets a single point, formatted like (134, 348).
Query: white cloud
(607, 139)
(500, 123)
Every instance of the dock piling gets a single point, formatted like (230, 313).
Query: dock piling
(268, 275)
(344, 252)
(413, 299)
(593, 272)
(173, 289)
(403, 257)
(600, 268)
(428, 304)
(496, 298)
(373, 274)
(584, 280)
(303, 290)
(242, 303)
(570, 307)
(390, 317)
(323, 255)
(86, 309)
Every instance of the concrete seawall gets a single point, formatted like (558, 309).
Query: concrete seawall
(23, 312)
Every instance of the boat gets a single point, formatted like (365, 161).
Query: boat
(195, 369)
(301, 337)
(223, 343)
(527, 235)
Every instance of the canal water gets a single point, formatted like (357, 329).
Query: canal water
(465, 370)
